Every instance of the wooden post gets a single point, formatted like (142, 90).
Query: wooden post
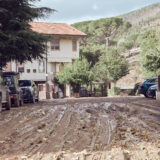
(158, 90)
(0, 101)
(159, 83)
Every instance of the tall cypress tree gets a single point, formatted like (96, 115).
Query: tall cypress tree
(17, 40)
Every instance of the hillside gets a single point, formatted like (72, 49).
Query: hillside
(149, 13)
(128, 33)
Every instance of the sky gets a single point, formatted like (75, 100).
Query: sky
(71, 11)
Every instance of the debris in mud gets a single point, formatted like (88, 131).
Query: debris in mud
(43, 125)
(80, 131)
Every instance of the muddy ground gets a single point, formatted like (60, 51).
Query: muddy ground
(124, 128)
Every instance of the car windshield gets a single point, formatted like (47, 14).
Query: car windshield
(24, 83)
(8, 80)
(151, 80)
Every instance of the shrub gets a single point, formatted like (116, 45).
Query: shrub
(134, 92)
(114, 91)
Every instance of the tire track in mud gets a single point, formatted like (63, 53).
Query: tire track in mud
(70, 128)
(73, 133)
(28, 132)
(53, 119)
(55, 135)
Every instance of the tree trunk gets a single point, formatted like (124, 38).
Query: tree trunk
(159, 83)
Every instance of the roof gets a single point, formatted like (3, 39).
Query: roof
(55, 29)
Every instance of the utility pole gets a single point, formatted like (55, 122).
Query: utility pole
(158, 90)
(159, 83)
(46, 63)
(47, 84)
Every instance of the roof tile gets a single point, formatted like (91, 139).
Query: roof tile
(55, 29)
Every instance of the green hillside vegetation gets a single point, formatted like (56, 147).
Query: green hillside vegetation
(109, 40)
(94, 45)
(141, 31)
(143, 15)
(97, 62)
(151, 53)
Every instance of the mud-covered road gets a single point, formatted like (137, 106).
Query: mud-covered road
(124, 128)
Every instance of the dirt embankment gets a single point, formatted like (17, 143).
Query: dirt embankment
(85, 129)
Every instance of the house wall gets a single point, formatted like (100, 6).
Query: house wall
(8, 67)
(55, 58)
(65, 54)
(38, 76)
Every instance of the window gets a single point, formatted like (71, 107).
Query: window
(155, 80)
(28, 70)
(74, 45)
(41, 66)
(34, 71)
(24, 83)
(21, 67)
(55, 44)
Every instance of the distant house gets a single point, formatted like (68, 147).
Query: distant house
(63, 48)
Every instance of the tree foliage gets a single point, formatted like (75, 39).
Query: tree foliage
(92, 52)
(77, 73)
(17, 40)
(106, 64)
(151, 53)
(100, 28)
(94, 45)
(111, 67)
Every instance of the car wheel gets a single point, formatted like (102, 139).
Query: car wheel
(21, 102)
(8, 104)
(37, 99)
(33, 99)
(17, 102)
(148, 95)
(0, 107)
(0, 102)
(154, 96)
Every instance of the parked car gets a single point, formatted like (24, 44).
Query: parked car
(0, 101)
(83, 92)
(5, 99)
(151, 92)
(30, 91)
(16, 95)
(144, 86)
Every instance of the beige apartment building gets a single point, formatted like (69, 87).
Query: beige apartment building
(62, 48)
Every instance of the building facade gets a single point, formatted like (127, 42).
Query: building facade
(62, 48)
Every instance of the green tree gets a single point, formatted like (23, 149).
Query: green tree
(92, 52)
(77, 73)
(111, 67)
(151, 62)
(17, 40)
(150, 54)
(94, 45)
